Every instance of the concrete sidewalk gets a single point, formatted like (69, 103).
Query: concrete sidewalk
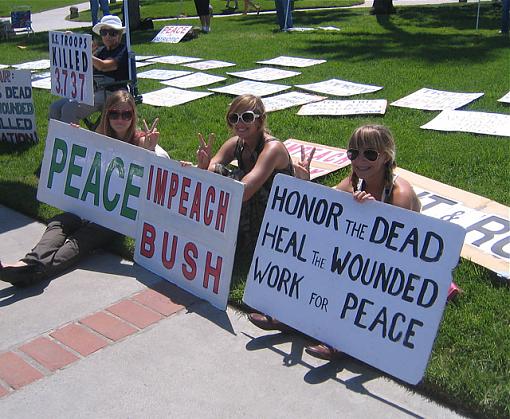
(112, 340)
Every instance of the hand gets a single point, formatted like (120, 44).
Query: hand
(362, 196)
(204, 151)
(302, 167)
(151, 137)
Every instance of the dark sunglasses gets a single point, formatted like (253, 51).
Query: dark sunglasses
(370, 155)
(125, 115)
(247, 117)
(111, 32)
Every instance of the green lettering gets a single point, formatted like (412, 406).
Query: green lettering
(131, 190)
(93, 180)
(55, 165)
(76, 150)
(118, 164)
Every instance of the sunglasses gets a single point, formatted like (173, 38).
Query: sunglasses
(247, 117)
(370, 155)
(125, 115)
(111, 32)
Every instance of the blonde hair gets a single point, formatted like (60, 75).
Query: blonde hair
(116, 98)
(379, 138)
(252, 103)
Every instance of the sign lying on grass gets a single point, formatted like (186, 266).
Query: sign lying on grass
(265, 74)
(436, 100)
(285, 61)
(288, 100)
(339, 87)
(41, 80)
(369, 279)
(505, 98)
(17, 114)
(193, 80)
(172, 34)
(184, 220)
(173, 59)
(256, 88)
(71, 66)
(43, 64)
(171, 96)
(158, 74)
(469, 121)
(209, 64)
(345, 107)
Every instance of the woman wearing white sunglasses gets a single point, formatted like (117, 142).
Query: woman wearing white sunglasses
(260, 157)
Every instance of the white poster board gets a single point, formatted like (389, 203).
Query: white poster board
(187, 229)
(256, 88)
(209, 64)
(505, 98)
(71, 66)
(339, 87)
(470, 121)
(17, 113)
(288, 100)
(172, 34)
(286, 61)
(41, 80)
(173, 59)
(158, 74)
(369, 279)
(43, 64)
(194, 80)
(140, 64)
(265, 74)
(345, 107)
(3, 66)
(171, 96)
(436, 100)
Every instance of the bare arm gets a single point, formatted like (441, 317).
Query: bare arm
(404, 196)
(104, 65)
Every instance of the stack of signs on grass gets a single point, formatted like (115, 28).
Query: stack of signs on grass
(369, 279)
(470, 121)
(17, 114)
(505, 99)
(157, 74)
(288, 100)
(251, 87)
(172, 34)
(43, 64)
(285, 61)
(436, 100)
(209, 64)
(171, 96)
(184, 220)
(194, 80)
(265, 74)
(325, 160)
(345, 107)
(71, 66)
(337, 87)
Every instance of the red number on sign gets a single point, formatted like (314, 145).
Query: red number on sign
(73, 83)
(64, 72)
(57, 80)
(82, 78)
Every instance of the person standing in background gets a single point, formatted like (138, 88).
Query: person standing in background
(284, 14)
(204, 12)
(94, 9)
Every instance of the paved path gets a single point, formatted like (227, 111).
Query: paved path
(112, 340)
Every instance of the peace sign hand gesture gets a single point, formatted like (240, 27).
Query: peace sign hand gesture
(151, 137)
(302, 167)
(204, 151)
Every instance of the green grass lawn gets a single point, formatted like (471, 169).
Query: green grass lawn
(435, 47)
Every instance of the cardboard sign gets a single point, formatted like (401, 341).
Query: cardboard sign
(17, 114)
(436, 100)
(193, 80)
(265, 74)
(71, 66)
(505, 98)
(41, 80)
(171, 96)
(288, 100)
(339, 87)
(187, 228)
(255, 88)
(43, 64)
(172, 34)
(158, 74)
(369, 279)
(173, 59)
(209, 64)
(345, 107)
(285, 61)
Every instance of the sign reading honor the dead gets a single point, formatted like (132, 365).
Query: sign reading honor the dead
(187, 228)
(71, 66)
(369, 279)
(17, 115)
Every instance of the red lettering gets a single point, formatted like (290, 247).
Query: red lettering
(214, 272)
(184, 195)
(147, 243)
(160, 187)
(209, 199)
(149, 184)
(221, 216)
(168, 263)
(174, 186)
(195, 207)
(190, 253)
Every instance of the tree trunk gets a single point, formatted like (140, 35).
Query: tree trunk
(383, 7)
(134, 14)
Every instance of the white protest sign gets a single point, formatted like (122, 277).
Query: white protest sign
(436, 100)
(144, 57)
(17, 113)
(369, 279)
(187, 229)
(173, 59)
(41, 80)
(470, 121)
(193, 80)
(140, 64)
(93, 176)
(288, 100)
(172, 34)
(209, 64)
(256, 88)
(158, 74)
(71, 66)
(505, 98)
(345, 107)
(265, 74)
(325, 160)
(285, 61)
(339, 87)
(171, 96)
(33, 65)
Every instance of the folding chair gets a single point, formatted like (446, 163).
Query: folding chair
(21, 19)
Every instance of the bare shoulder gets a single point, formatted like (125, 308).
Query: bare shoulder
(404, 195)
(345, 185)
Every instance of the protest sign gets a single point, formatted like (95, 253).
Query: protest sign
(172, 34)
(256, 88)
(144, 57)
(140, 64)
(288, 100)
(339, 87)
(470, 121)
(158, 74)
(265, 74)
(187, 228)
(344, 107)
(43, 64)
(17, 114)
(71, 66)
(173, 59)
(285, 61)
(369, 279)
(505, 98)
(209, 64)
(171, 96)
(93, 176)
(193, 80)
(436, 100)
